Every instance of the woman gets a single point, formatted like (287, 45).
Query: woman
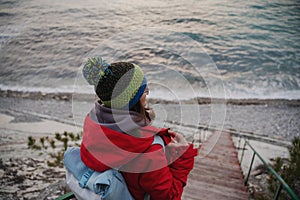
(117, 134)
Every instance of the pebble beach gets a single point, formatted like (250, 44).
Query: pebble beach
(25, 174)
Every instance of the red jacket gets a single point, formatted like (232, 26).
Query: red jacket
(146, 168)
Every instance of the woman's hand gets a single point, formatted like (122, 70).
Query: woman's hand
(177, 140)
(177, 147)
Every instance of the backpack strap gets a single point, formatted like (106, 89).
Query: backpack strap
(159, 140)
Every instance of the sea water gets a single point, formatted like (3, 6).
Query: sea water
(227, 49)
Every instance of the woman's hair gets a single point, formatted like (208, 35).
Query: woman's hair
(144, 115)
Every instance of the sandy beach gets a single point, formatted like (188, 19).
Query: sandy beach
(25, 174)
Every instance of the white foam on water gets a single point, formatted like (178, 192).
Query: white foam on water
(162, 93)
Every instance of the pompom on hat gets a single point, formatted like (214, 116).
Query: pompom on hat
(119, 85)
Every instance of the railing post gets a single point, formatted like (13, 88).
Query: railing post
(243, 151)
(281, 181)
(246, 180)
(278, 191)
(239, 142)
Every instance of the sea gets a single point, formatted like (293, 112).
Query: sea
(205, 48)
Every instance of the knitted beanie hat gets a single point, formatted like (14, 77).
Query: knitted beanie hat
(119, 85)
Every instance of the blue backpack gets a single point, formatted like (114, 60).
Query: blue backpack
(110, 184)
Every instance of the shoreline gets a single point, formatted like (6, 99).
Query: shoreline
(65, 96)
(274, 118)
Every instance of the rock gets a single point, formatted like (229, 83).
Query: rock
(25, 178)
(30, 169)
(65, 98)
(2, 173)
(256, 172)
(258, 177)
(19, 179)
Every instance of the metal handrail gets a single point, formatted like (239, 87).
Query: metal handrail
(282, 183)
(67, 196)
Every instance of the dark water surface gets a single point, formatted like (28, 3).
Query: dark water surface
(254, 45)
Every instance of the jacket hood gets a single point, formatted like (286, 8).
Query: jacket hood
(119, 120)
(103, 147)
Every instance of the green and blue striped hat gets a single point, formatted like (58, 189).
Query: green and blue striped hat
(119, 85)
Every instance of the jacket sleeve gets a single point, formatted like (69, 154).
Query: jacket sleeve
(167, 183)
